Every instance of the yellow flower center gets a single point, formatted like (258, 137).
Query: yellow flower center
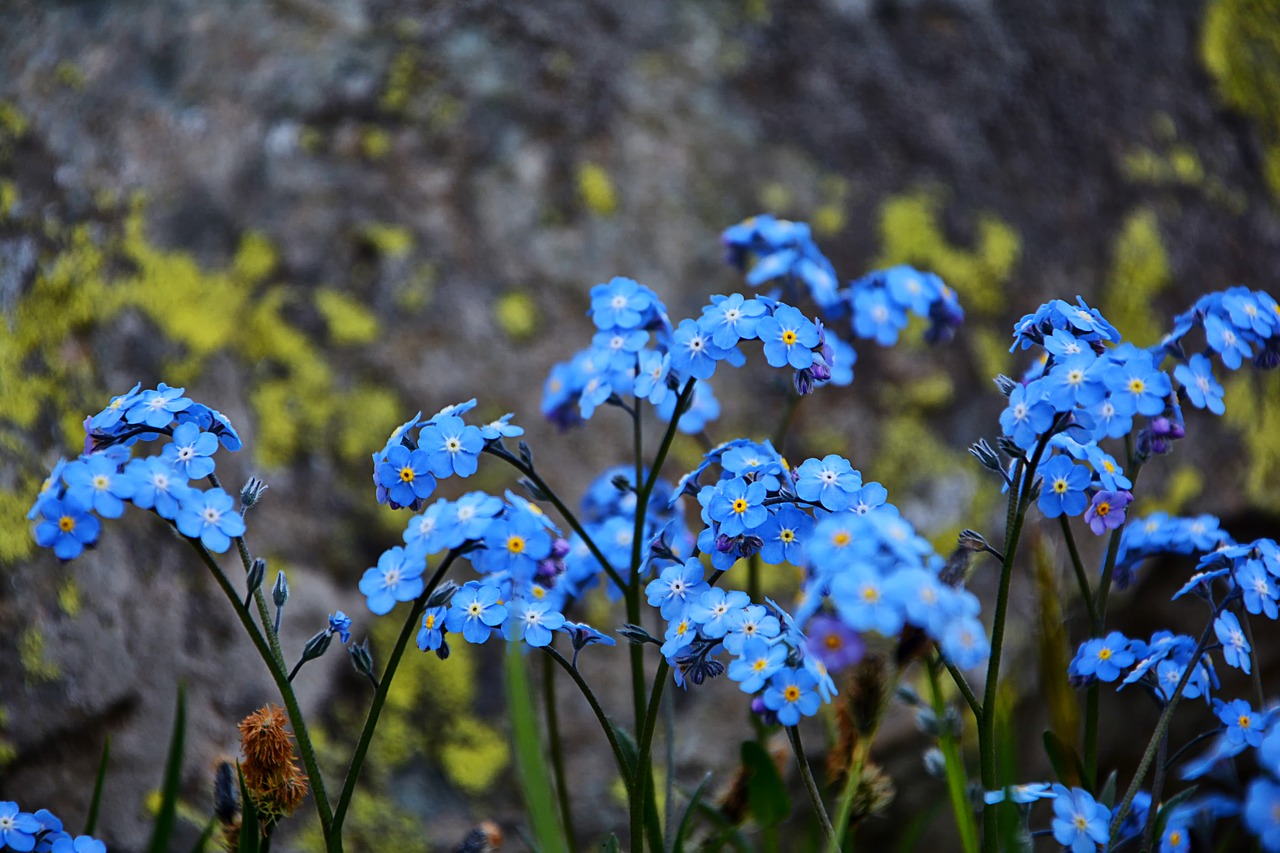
(841, 539)
(789, 337)
(407, 474)
(787, 536)
(833, 642)
(740, 506)
(66, 524)
(1105, 654)
(515, 544)
(1137, 386)
(792, 693)
(430, 621)
(1104, 508)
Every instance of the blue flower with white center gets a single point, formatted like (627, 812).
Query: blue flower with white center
(431, 634)
(513, 544)
(211, 517)
(911, 289)
(1200, 384)
(757, 664)
(190, 450)
(1235, 646)
(874, 316)
(676, 588)
(66, 526)
(406, 476)
(784, 535)
(451, 446)
(792, 694)
(859, 597)
(157, 486)
(789, 338)
(1105, 467)
(157, 408)
(651, 376)
(1226, 341)
(1110, 421)
(1080, 823)
(1064, 345)
(475, 611)
(17, 828)
(713, 610)
(431, 530)
(1020, 794)
(693, 352)
(1028, 415)
(1137, 385)
(96, 482)
(453, 410)
(828, 481)
(531, 621)
(1258, 588)
(1075, 381)
(738, 506)
(397, 577)
(732, 318)
(619, 347)
(501, 428)
(751, 622)
(620, 304)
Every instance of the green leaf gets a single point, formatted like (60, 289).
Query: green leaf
(95, 802)
(1107, 796)
(689, 809)
(1169, 806)
(766, 792)
(1066, 762)
(531, 765)
(611, 845)
(250, 834)
(167, 815)
(203, 841)
(630, 751)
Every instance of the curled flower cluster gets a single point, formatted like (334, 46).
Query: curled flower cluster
(271, 773)
(107, 476)
(783, 253)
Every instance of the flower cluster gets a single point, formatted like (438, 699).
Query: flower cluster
(41, 831)
(1160, 533)
(106, 476)
(405, 470)
(621, 362)
(881, 301)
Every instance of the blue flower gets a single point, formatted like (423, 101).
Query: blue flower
(859, 596)
(452, 447)
(651, 376)
(190, 451)
(703, 409)
(693, 352)
(501, 428)
(406, 475)
(1202, 388)
(1262, 812)
(1020, 794)
(791, 695)
(431, 635)
(1226, 342)
(115, 410)
(1079, 822)
(17, 828)
(681, 632)
(397, 577)
(965, 643)
(67, 527)
(757, 663)
(431, 530)
(738, 506)
(1235, 646)
(751, 622)
(828, 481)
(1137, 385)
(676, 588)
(96, 482)
(210, 516)
(514, 544)
(80, 844)
(1063, 489)
(875, 317)
(1103, 658)
(532, 622)
(619, 304)
(789, 338)
(732, 318)
(475, 611)
(340, 624)
(713, 611)
(157, 408)
(784, 535)
(157, 486)
(1244, 725)
(1028, 415)
(619, 348)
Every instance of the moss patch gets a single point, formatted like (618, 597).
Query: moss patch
(1139, 271)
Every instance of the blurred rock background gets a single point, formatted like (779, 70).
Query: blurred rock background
(321, 217)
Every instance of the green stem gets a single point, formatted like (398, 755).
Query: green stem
(557, 750)
(409, 630)
(1256, 674)
(1082, 579)
(639, 802)
(844, 809)
(811, 787)
(618, 755)
(957, 778)
(1157, 790)
(1019, 500)
(333, 841)
(784, 425)
(1162, 726)
(965, 690)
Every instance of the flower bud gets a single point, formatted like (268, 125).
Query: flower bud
(280, 590)
(442, 595)
(257, 572)
(251, 492)
(1005, 384)
(317, 645)
(362, 660)
(935, 763)
(638, 635)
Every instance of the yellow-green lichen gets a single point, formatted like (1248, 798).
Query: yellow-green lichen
(516, 315)
(414, 293)
(389, 241)
(15, 531)
(774, 196)
(596, 189)
(69, 597)
(67, 73)
(1182, 487)
(402, 82)
(1240, 46)
(375, 142)
(349, 322)
(1252, 399)
(911, 233)
(474, 755)
(8, 197)
(1139, 271)
(33, 655)
(367, 416)
(13, 124)
(8, 752)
